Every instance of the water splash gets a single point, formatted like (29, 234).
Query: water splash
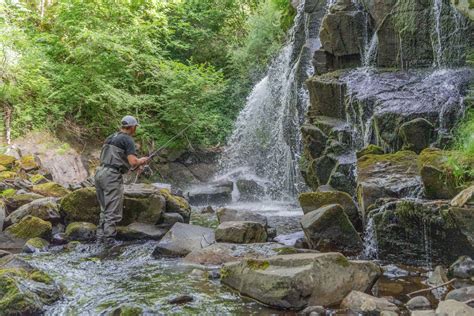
(266, 141)
(370, 250)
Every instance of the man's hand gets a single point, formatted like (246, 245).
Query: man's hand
(143, 161)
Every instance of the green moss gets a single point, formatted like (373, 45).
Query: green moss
(176, 200)
(27, 163)
(257, 264)
(6, 175)
(50, 189)
(36, 243)
(76, 226)
(370, 150)
(7, 161)
(130, 311)
(343, 261)
(8, 193)
(286, 251)
(30, 227)
(403, 157)
(81, 206)
(37, 178)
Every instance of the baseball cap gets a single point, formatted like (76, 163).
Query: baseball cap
(129, 121)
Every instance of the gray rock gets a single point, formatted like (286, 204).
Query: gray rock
(438, 276)
(169, 219)
(241, 232)
(465, 197)
(313, 310)
(44, 208)
(232, 215)
(3, 215)
(140, 190)
(416, 134)
(418, 303)
(250, 190)
(452, 307)
(81, 231)
(462, 295)
(35, 245)
(59, 239)
(329, 229)
(182, 239)
(300, 280)
(19, 199)
(360, 302)
(423, 313)
(140, 231)
(218, 193)
(463, 268)
(4, 253)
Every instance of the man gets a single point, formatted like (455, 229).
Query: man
(118, 156)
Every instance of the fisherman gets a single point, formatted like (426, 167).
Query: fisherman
(118, 156)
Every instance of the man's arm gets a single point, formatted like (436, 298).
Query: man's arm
(136, 162)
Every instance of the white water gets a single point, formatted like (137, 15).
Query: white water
(370, 241)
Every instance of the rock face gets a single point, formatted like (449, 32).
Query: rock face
(296, 281)
(411, 224)
(314, 200)
(241, 232)
(45, 208)
(329, 229)
(416, 134)
(182, 239)
(360, 302)
(249, 190)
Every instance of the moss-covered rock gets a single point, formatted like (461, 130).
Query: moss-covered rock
(81, 231)
(50, 189)
(416, 134)
(14, 201)
(2, 168)
(144, 210)
(177, 204)
(7, 161)
(38, 179)
(26, 291)
(35, 245)
(127, 311)
(30, 227)
(438, 175)
(28, 163)
(81, 206)
(311, 201)
(329, 229)
(7, 175)
(370, 150)
(45, 208)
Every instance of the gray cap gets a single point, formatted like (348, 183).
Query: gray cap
(129, 121)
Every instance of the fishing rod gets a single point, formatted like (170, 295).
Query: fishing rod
(155, 153)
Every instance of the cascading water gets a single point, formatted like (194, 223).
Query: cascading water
(266, 142)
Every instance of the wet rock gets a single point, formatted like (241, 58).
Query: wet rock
(370, 150)
(232, 215)
(315, 140)
(140, 231)
(464, 294)
(182, 299)
(452, 307)
(360, 302)
(463, 268)
(313, 311)
(30, 227)
(418, 303)
(59, 239)
(169, 219)
(327, 94)
(16, 200)
(207, 210)
(438, 276)
(329, 229)
(199, 274)
(7, 161)
(464, 198)
(81, 206)
(300, 280)
(24, 290)
(182, 239)
(81, 231)
(271, 233)
(11, 243)
(409, 224)
(250, 190)
(241, 232)
(145, 210)
(127, 311)
(140, 190)
(313, 200)
(390, 175)
(218, 193)
(416, 134)
(219, 253)
(35, 245)
(177, 204)
(51, 189)
(44, 208)
(437, 175)
(423, 313)
(4, 253)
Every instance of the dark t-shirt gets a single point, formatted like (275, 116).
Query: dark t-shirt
(122, 141)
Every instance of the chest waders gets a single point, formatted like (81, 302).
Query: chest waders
(109, 187)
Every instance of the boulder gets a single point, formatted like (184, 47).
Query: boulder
(219, 193)
(313, 200)
(410, 224)
(81, 206)
(30, 227)
(140, 190)
(177, 204)
(220, 253)
(464, 294)
(327, 93)
(438, 176)
(81, 231)
(145, 210)
(140, 231)
(7, 175)
(169, 219)
(50, 189)
(418, 303)
(360, 302)
(15, 201)
(44, 208)
(35, 245)
(463, 268)
(416, 134)
(299, 280)
(232, 215)
(370, 150)
(241, 232)
(452, 307)
(250, 190)
(437, 277)
(28, 163)
(24, 290)
(464, 198)
(329, 229)
(390, 175)
(182, 239)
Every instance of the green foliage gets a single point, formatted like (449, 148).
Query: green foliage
(461, 159)
(82, 65)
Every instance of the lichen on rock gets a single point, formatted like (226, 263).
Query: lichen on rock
(30, 227)
(50, 189)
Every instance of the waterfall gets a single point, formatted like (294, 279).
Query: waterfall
(266, 143)
(370, 241)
